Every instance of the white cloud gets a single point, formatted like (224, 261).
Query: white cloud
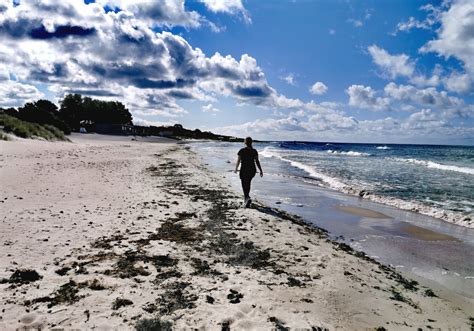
(355, 23)
(228, 6)
(13, 93)
(458, 82)
(318, 88)
(425, 97)
(392, 65)
(78, 47)
(401, 65)
(290, 79)
(365, 97)
(210, 108)
(145, 122)
(167, 13)
(431, 19)
(456, 35)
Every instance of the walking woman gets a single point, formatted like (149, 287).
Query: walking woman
(248, 157)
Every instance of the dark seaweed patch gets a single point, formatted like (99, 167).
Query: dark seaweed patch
(121, 302)
(279, 325)
(176, 297)
(154, 324)
(23, 276)
(66, 294)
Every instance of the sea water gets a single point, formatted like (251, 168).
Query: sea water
(408, 183)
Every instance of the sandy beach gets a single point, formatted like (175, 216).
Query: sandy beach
(111, 232)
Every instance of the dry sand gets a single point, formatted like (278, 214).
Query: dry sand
(122, 231)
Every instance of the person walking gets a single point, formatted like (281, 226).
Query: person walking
(248, 158)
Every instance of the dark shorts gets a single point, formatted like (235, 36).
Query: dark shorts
(247, 174)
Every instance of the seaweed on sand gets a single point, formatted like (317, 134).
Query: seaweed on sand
(125, 266)
(279, 325)
(153, 324)
(22, 276)
(397, 296)
(121, 302)
(66, 294)
(176, 297)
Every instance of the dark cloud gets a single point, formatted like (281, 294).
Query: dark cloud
(181, 95)
(98, 93)
(162, 84)
(252, 91)
(61, 31)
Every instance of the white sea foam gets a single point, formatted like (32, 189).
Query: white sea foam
(439, 166)
(330, 181)
(350, 153)
(383, 147)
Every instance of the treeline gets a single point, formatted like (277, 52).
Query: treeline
(83, 114)
(74, 112)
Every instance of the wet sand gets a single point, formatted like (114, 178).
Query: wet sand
(424, 234)
(363, 212)
(114, 233)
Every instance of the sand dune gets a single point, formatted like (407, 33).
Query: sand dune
(117, 233)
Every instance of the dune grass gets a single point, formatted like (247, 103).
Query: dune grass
(29, 130)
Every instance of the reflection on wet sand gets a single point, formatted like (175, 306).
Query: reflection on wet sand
(424, 234)
(363, 212)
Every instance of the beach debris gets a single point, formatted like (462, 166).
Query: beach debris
(96, 285)
(149, 324)
(121, 302)
(225, 326)
(397, 296)
(63, 271)
(176, 297)
(173, 231)
(210, 299)
(430, 293)
(279, 325)
(22, 276)
(150, 307)
(125, 266)
(293, 282)
(66, 294)
(202, 268)
(234, 296)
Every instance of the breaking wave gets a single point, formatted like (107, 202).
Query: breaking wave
(350, 153)
(439, 166)
(330, 181)
(414, 206)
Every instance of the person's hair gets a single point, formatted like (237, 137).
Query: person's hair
(248, 141)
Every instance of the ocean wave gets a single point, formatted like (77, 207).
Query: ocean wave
(382, 147)
(330, 181)
(439, 166)
(364, 192)
(350, 153)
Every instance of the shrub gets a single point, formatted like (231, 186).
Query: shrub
(29, 130)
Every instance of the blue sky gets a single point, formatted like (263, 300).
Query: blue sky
(385, 71)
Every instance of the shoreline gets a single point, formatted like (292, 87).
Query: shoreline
(155, 227)
(315, 177)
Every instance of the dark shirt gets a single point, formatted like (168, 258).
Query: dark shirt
(247, 159)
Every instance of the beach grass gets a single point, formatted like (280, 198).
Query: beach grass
(28, 130)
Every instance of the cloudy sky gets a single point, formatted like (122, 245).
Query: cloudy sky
(332, 70)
